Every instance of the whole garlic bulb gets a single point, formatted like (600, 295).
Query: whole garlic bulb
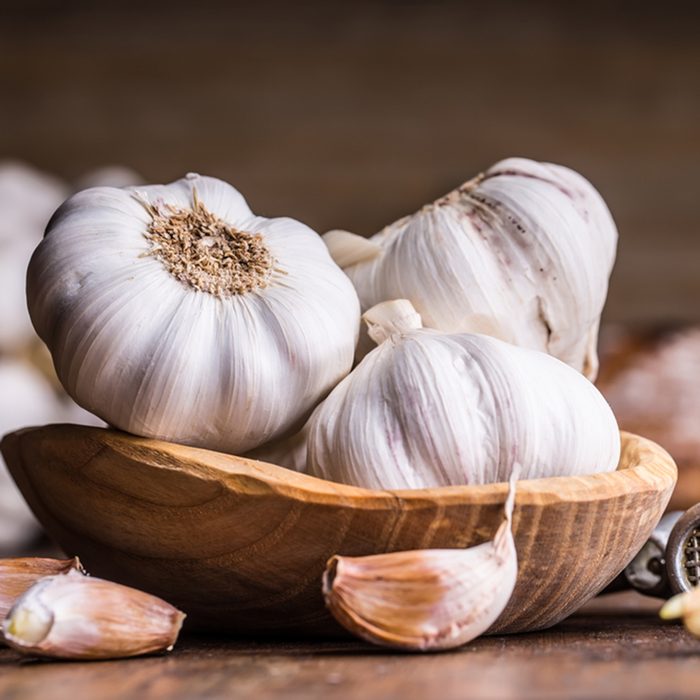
(28, 197)
(26, 398)
(522, 252)
(174, 312)
(428, 408)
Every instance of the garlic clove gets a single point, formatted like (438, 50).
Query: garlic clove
(425, 600)
(79, 617)
(685, 606)
(18, 575)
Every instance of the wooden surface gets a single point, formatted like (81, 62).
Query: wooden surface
(242, 545)
(619, 649)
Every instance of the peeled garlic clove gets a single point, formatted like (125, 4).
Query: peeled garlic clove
(18, 575)
(425, 599)
(522, 252)
(173, 312)
(686, 606)
(427, 408)
(79, 617)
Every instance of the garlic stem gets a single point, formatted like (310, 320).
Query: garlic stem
(389, 317)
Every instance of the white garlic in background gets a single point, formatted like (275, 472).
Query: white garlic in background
(522, 252)
(428, 408)
(174, 312)
(26, 399)
(28, 197)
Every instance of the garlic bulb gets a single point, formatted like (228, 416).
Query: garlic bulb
(522, 252)
(174, 312)
(685, 606)
(26, 398)
(27, 200)
(427, 409)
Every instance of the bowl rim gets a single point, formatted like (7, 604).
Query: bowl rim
(644, 465)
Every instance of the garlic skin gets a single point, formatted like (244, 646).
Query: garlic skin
(18, 575)
(72, 616)
(522, 252)
(425, 600)
(429, 409)
(173, 312)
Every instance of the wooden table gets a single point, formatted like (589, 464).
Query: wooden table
(616, 647)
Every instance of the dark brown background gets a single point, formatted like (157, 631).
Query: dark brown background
(350, 115)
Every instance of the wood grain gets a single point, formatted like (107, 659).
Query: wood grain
(618, 650)
(241, 545)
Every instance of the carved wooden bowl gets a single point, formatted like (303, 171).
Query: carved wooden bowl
(241, 545)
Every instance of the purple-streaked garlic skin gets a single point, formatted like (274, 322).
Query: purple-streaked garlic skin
(523, 252)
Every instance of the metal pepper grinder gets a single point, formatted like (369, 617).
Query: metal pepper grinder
(669, 562)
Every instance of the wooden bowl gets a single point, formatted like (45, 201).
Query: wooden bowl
(240, 545)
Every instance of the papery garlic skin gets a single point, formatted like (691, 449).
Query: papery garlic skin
(429, 409)
(72, 616)
(523, 253)
(155, 356)
(428, 599)
(18, 575)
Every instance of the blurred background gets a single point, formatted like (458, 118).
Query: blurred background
(351, 115)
